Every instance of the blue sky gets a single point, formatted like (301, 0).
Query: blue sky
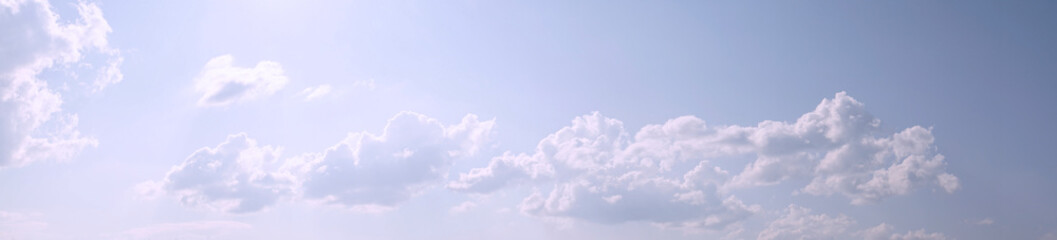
(527, 120)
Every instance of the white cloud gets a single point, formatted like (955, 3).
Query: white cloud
(919, 234)
(39, 41)
(109, 74)
(33, 126)
(882, 231)
(364, 172)
(599, 174)
(885, 231)
(834, 146)
(799, 223)
(462, 207)
(981, 222)
(666, 174)
(237, 176)
(313, 93)
(592, 170)
(368, 84)
(185, 230)
(221, 83)
(500, 171)
(367, 171)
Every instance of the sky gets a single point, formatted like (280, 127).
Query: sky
(469, 119)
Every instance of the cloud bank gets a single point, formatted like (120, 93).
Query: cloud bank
(666, 173)
(799, 223)
(594, 170)
(32, 124)
(232, 177)
(368, 171)
(364, 171)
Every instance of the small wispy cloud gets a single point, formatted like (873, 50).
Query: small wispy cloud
(462, 207)
(318, 92)
(981, 222)
(313, 93)
(368, 84)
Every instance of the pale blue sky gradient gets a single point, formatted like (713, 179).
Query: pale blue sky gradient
(980, 74)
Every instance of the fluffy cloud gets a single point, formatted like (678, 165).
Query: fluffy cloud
(36, 40)
(367, 171)
(221, 83)
(237, 176)
(666, 174)
(186, 230)
(600, 174)
(500, 171)
(835, 146)
(362, 172)
(593, 170)
(32, 124)
(799, 223)
(866, 168)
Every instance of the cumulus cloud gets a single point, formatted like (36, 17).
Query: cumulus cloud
(362, 172)
(33, 126)
(500, 171)
(836, 147)
(799, 223)
(596, 172)
(367, 171)
(38, 41)
(667, 173)
(593, 170)
(237, 176)
(221, 83)
(185, 230)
